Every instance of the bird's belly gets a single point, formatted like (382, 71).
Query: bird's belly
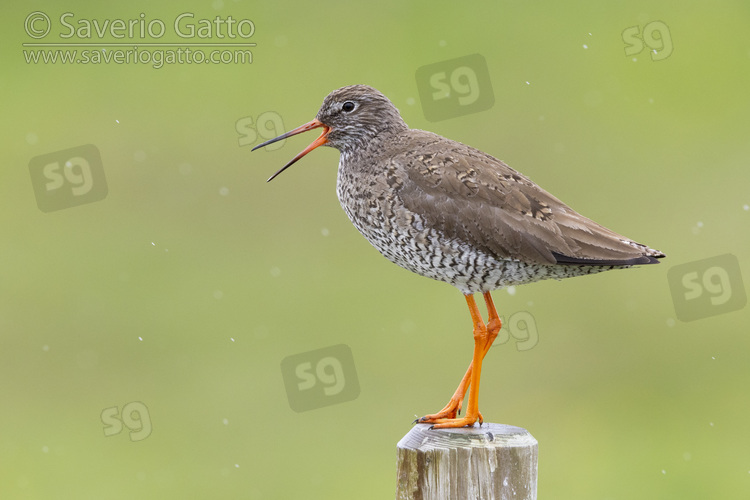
(403, 238)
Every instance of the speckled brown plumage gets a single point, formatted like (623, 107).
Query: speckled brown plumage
(450, 212)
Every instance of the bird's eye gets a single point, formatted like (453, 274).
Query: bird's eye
(347, 107)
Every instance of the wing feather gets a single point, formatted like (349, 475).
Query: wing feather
(468, 195)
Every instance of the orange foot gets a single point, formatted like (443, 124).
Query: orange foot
(450, 423)
(450, 412)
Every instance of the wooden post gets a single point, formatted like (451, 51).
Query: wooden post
(491, 462)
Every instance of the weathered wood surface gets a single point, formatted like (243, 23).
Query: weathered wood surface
(491, 462)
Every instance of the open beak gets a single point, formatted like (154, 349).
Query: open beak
(303, 128)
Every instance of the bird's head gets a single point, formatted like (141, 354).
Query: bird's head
(350, 117)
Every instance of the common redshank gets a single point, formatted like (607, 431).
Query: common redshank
(452, 213)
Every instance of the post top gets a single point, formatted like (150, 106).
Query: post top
(488, 435)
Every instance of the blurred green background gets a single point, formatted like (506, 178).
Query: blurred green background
(186, 287)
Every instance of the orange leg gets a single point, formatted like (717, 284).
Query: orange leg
(484, 335)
